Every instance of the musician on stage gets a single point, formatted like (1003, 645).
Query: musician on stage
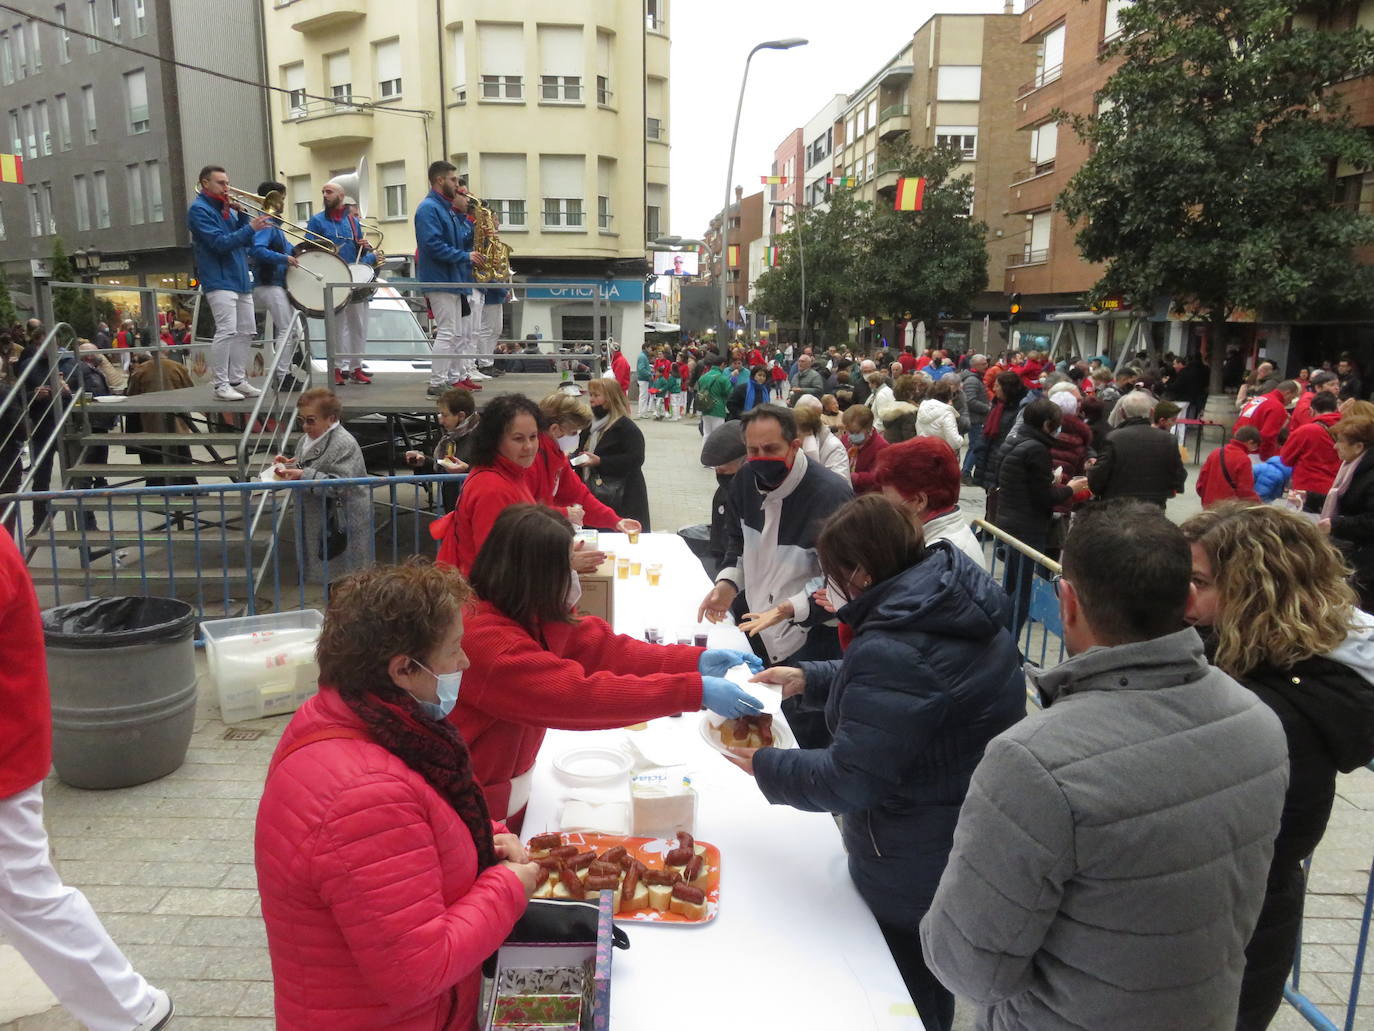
(221, 236)
(443, 238)
(270, 257)
(487, 328)
(338, 222)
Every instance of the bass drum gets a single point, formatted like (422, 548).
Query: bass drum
(364, 276)
(305, 282)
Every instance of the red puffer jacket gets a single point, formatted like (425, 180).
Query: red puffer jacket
(584, 676)
(376, 915)
(25, 714)
(488, 490)
(1311, 454)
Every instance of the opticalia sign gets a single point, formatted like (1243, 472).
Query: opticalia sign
(617, 291)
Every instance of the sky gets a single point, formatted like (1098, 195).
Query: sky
(849, 42)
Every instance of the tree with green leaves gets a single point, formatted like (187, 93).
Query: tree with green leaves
(9, 315)
(69, 304)
(1210, 182)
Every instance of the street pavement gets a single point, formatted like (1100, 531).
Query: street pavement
(169, 865)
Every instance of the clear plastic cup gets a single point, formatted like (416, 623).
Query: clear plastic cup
(622, 569)
(636, 567)
(655, 574)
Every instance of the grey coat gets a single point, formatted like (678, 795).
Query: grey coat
(334, 456)
(1110, 858)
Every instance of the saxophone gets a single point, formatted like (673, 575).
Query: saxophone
(486, 241)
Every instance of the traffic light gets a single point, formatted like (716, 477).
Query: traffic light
(1014, 309)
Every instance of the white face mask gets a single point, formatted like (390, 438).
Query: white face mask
(858, 438)
(837, 595)
(569, 443)
(447, 685)
(574, 592)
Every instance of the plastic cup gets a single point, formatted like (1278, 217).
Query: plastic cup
(655, 572)
(635, 566)
(622, 569)
(634, 536)
(700, 640)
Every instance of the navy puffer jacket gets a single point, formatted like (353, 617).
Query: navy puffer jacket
(931, 677)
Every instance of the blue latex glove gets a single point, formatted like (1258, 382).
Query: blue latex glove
(728, 699)
(716, 662)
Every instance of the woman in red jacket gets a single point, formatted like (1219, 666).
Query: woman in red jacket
(384, 883)
(514, 461)
(536, 664)
(1311, 452)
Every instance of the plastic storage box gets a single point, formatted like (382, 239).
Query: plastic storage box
(263, 665)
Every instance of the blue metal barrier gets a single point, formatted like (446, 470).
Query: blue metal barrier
(227, 549)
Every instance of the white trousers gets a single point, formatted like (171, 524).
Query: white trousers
(234, 329)
(273, 300)
(489, 331)
(352, 325)
(54, 928)
(710, 423)
(452, 337)
(645, 400)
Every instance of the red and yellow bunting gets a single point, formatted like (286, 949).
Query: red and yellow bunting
(11, 168)
(842, 180)
(774, 180)
(732, 255)
(911, 195)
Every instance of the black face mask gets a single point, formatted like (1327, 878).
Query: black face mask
(768, 472)
(723, 479)
(599, 411)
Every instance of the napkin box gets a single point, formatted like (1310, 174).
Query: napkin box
(598, 592)
(662, 802)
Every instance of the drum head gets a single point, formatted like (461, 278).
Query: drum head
(362, 274)
(305, 283)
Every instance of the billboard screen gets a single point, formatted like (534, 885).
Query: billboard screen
(676, 263)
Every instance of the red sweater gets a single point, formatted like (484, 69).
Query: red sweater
(620, 367)
(486, 493)
(584, 676)
(376, 915)
(1267, 414)
(1311, 454)
(554, 482)
(1212, 483)
(1302, 411)
(25, 713)
(862, 460)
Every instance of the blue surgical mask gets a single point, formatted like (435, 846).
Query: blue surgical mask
(447, 685)
(857, 438)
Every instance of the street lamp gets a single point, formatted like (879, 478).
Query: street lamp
(772, 44)
(801, 254)
(86, 261)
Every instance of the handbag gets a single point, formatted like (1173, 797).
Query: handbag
(333, 530)
(609, 490)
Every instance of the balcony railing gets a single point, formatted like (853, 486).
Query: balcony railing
(1034, 172)
(1042, 78)
(1027, 256)
(893, 111)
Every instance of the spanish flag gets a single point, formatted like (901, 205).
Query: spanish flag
(842, 180)
(733, 256)
(911, 195)
(11, 168)
(774, 180)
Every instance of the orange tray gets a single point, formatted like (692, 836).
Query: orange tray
(650, 852)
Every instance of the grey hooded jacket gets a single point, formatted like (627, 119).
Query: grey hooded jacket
(1111, 855)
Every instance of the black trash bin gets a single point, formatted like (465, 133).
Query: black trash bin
(123, 678)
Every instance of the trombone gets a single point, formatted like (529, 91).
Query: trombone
(271, 206)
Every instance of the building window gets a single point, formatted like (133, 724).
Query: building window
(64, 122)
(30, 139)
(605, 190)
(388, 62)
(510, 213)
(560, 88)
(562, 212)
(651, 224)
(35, 50)
(460, 68)
(1111, 21)
(16, 134)
(338, 70)
(136, 95)
(48, 208)
(959, 82)
(2, 221)
(392, 175)
(1049, 58)
(133, 181)
(35, 219)
(64, 38)
(152, 190)
(140, 21)
(501, 51)
(1044, 144)
(6, 57)
(93, 27)
(603, 213)
(44, 128)
(656, 15)
(653, 128)
(102, 201)
(502, 87)
(88, 112)
(603, 69)
(603, 90)
(114, 18)
(21, 53)
(1036, 249)
(298, 192)
(293, 81)
(963, 138)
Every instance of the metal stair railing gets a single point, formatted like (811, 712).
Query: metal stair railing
(16, 411)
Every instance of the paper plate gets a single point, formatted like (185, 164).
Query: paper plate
(110, 399)
(593, 765)
(710, 733)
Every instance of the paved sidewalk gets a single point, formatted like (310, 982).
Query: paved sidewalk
(169, 865)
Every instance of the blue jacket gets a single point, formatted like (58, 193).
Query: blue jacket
(931, 677)
(443, 244)
(345, 234)
(644, 370)
(220, 245)
(269, 256)
(1271, 477)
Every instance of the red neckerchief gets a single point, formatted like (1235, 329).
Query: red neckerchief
(336, 214)
(225, 210)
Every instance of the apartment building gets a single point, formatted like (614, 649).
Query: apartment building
(788, 161)
(949, 87)
(112, 140)
(818, 146)
(747, 222)
(556, 112)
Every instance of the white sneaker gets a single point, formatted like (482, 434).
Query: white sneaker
(247, 389)
(227, 393)
(479, 375)
(161, 1013)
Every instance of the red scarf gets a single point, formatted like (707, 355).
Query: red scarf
(226, 211)
(336, 214)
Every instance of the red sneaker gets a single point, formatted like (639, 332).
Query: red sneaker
(340, 378)
(468, 384)
(361, 377)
